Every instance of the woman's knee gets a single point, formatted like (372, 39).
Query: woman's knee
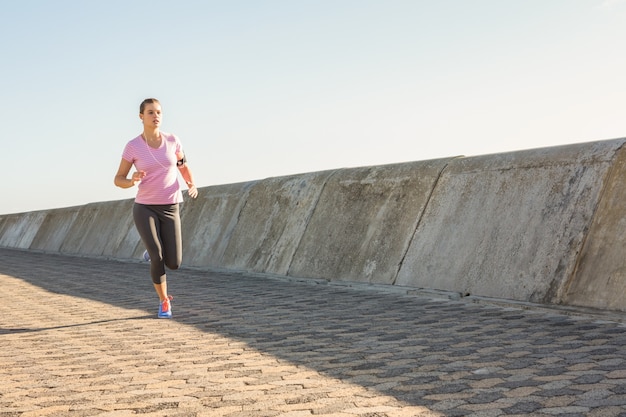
(158, 279)
(173, 264)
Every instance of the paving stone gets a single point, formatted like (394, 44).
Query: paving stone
(79, 337)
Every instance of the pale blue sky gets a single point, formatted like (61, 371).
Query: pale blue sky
(257, 89)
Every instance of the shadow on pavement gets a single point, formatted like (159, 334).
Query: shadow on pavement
(13, 330)
(403, 346)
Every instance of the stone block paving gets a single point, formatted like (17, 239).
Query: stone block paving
(79, 337)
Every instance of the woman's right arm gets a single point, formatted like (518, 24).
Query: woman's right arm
(121, 178)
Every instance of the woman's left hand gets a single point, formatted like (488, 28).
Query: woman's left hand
(192, 191)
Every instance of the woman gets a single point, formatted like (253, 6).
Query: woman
(156, 155)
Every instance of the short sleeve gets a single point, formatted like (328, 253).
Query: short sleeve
(179, 146)
(129, 154)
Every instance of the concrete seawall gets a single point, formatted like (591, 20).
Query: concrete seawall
(543, 225)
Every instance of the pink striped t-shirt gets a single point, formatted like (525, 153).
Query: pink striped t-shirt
(160, 186)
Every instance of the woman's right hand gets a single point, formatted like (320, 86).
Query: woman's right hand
(137, 177)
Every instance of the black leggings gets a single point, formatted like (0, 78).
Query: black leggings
(159, 228)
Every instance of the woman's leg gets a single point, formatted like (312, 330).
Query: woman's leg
(171, 250)
(159, 228)
(148, 223)
(171, 237)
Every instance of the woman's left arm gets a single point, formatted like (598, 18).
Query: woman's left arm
(187, 176)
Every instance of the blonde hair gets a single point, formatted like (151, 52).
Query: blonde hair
(142, 106)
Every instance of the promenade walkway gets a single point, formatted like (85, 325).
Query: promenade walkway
(79, 337)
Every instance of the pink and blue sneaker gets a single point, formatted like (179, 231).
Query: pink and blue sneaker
(165, 308)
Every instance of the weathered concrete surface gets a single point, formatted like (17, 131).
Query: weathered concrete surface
(208, 223)
(509, 225)
(253, 227)
(273, 221)
(600, 278)
(53, 231)
(99, 229)
(364, 221)
(542, 225)
(19, 230)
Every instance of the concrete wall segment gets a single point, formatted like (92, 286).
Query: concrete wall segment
(364, 221)
(130, 245)
(116, 225)
(4, 226)
(272, 222)
(509, 225)
(53, 230)
(209, 221)
(599, 280)
(99, 229)
(19, 230)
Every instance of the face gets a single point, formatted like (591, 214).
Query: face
(151, 115)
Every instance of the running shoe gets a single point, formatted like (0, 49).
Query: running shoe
(165, 308)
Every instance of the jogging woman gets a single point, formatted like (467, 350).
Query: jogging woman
(158, 158)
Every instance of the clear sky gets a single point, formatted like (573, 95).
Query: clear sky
(266, 88)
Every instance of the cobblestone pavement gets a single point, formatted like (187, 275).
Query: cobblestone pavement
(79, 337)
